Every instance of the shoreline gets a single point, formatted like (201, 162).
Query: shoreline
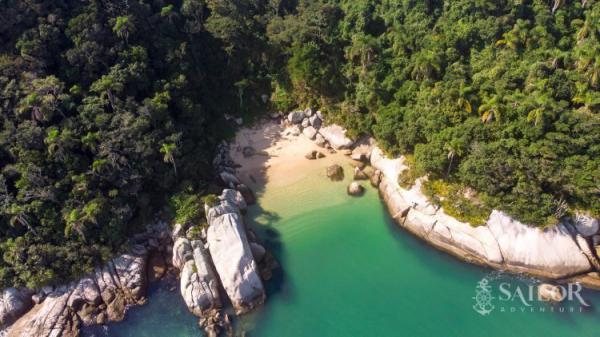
(560, 254)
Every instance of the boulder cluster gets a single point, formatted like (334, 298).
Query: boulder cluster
(311, 125)
(97, 298)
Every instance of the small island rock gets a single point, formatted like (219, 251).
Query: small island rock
(355, 189)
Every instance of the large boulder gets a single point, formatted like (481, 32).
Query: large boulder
(199, 284)
(296, 117)
(233, 260)
(335, 172)
(13, 303)
(336, 136)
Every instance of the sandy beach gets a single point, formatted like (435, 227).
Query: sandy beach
(279, 157)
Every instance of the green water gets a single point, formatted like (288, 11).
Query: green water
(347, 270)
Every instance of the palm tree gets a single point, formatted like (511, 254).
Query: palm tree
(464, 104)
(427, 65)
(168, 149)
(123, 27)
(490, 110)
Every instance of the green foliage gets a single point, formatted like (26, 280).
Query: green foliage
(453, 199)
(407, 178)
(104, 108)
(187, 208)
(210, 200)
(498, 96)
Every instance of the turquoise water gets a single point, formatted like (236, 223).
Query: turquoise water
(347, 270)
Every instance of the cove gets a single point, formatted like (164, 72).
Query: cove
(348, 270)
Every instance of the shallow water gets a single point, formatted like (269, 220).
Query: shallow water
(347, 270)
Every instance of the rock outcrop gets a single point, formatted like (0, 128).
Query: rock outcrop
(336, 136)
(232, 257)
(96, 298)
(199, 284)
(502, 243)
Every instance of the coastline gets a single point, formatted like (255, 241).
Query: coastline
(560, 254)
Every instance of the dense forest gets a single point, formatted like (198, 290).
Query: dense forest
(111, 110)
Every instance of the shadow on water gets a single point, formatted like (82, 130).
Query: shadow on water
(425, 253)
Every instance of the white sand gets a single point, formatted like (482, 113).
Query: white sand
(280, 155)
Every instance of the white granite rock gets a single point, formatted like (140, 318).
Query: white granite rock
(336, 136)
(552, 250)
(199, 285)
(233, 260)
(310, 132)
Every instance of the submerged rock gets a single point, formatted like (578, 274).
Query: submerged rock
(335, 172)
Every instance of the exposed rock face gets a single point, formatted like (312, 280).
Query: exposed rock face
(336, 136)
(296, 117)
(501, 243)
(355, 189)
(199, 285)
(247, 194)
(550, 293)
(96, 298)
(232, 257)
(335, 172)
(551, 250)
(310, 132)
(13, 303)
